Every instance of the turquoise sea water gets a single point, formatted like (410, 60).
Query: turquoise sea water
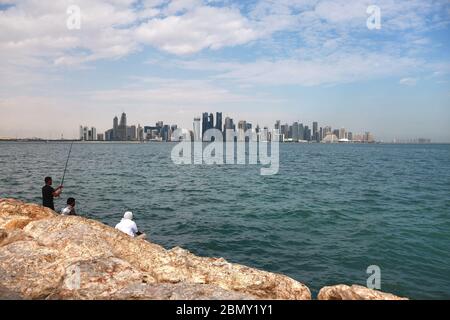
(332, 211)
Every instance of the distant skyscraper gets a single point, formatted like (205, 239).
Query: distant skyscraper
(165, 133)
(277, 125)
(307, 135)
(284, 132)
(342, 133)
(219, 121)
(211, 121)
(93, 134)
(115, 133)
(204, 123)
(242, 127)
(197, 132)
(122, 130)
(326, 131)
(86, 134)
(131, 133)
(140, 133)
(109, 135)
(368, 137)
(315, 133)
(123, 119)
(290, 132)
(301, 132)
(336, 132)
(278, 130)
(295, 136)
(229, 125)
(350, 136)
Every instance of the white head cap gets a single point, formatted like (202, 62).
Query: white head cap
(128, 215)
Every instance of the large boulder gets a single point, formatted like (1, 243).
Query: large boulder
(47, 256)
(354, 292)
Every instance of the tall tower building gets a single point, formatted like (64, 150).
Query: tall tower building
(219, 121)
(350, 136)
(315, 135)
(123, 120)
(336, 133)
(123, 127)
(197, 132)
(204, 123)
(228, 124)
(301, 132)
(85, 133)
(242, 127)
(140, 133)
(115, 133)
(211, 121)
(277, 128)
(131, 133)
(277, 125)
(295, 136)
(326, 131)
(342, 133)
(307, 136)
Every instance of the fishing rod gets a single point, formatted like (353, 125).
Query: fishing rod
(65, 168)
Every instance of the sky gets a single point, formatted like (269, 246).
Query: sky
(260, 61)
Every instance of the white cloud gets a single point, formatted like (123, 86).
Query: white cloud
(203, 27)
(329, 70)
(115, 28)
(408, 81)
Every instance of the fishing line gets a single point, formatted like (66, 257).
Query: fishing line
(65, 168)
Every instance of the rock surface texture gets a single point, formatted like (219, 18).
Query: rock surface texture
(354, 292)
(44, 255)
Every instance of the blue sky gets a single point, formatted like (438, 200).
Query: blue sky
(301, 60)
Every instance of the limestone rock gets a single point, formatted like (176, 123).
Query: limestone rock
(47, 256)
(16, 215)
(179, 291)
(354, 292)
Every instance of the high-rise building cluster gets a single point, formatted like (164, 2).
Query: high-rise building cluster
(159, 132)
(89, 134)
(298, 132)
(122, 132)
(242, 131)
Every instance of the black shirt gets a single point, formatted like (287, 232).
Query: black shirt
(47, 197)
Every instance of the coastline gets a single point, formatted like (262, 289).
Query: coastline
(59, 141)
(44, 255)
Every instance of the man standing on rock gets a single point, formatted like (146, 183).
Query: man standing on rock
(48, 193)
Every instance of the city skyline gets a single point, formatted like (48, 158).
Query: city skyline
(260, 60)
(163, 132)
(311, 132)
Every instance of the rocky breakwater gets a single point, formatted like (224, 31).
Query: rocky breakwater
(44, 255)
(47, 256)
